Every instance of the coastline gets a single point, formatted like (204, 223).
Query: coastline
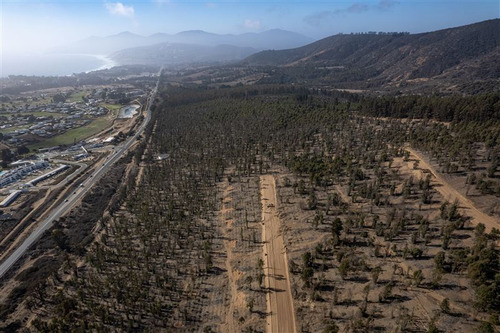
(108, 62)
(53, 64)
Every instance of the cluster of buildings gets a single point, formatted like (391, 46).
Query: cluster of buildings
(29, 116)
(21, 170)
(24, 119)
(47, 175)
(24, 169)
(68, 116)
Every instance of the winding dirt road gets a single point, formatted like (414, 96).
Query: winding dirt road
(281, 316)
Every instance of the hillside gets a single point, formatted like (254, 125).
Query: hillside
(173, 54)
(456, 55)
(271, 39)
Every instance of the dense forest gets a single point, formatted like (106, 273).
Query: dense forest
(479, 108)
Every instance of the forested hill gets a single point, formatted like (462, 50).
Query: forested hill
(464, 54)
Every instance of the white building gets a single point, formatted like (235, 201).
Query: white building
(20, 172)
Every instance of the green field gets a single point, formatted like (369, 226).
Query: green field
(75, 134)
(111, 107)
(77, 96)
(43, 101)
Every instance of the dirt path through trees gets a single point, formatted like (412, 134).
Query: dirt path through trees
(451, 194)
(281, 316)
(229, 324)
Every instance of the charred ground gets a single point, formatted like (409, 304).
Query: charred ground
(372, 242)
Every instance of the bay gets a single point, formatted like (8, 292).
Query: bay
(52, 64)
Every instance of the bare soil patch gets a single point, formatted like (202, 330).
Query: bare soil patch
(281, 315)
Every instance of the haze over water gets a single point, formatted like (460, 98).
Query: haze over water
(32, 27)
(52, 64)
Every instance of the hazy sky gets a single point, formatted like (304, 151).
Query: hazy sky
(29, 25)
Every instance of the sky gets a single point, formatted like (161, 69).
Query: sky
(35, 26)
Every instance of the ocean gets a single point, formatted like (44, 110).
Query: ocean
(52, 64)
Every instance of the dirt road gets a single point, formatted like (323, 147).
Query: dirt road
(281, 316)
(450, 194)
(229, 324)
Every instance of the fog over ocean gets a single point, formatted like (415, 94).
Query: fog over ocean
(52, 64)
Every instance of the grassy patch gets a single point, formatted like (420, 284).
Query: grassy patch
(77, 96)
(113, 109)
(43, 101)
(111, 106)
(76, 134)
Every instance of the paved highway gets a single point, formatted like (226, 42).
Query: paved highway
(84, 187)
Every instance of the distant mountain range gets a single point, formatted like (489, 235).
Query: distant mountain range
(185, 47)
(176, 53)
(272, 39)
(456, 55)
(457, 59)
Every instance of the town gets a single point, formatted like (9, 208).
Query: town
(28, 120)
(52, 139)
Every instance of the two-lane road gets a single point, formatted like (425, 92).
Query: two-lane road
(84, 187)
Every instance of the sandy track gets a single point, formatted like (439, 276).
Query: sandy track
(281, 316)
(451, 194)
(229, 324)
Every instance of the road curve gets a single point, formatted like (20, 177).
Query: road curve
(68, 203)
